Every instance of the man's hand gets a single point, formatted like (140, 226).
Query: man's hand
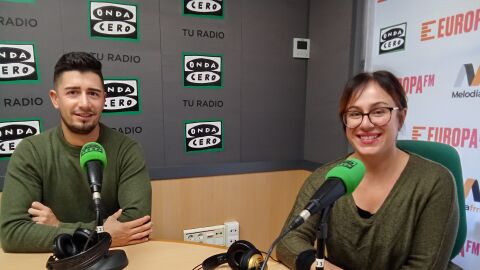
(42, 214)
(128, 233)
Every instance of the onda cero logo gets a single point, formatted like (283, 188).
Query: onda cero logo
(122, 96)
(17, 63)
(204, 8)
(116, 21)
(202, 136)
(393, 38)
(12, 132)
(202, 70)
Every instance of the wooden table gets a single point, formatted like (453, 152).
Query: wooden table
(149, 255)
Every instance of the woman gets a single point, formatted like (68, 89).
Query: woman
(402, 215)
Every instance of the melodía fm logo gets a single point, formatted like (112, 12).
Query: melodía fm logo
(467, 72)
(472, 185)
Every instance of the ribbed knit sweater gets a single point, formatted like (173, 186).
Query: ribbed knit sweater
(46, 168)
(415, 228)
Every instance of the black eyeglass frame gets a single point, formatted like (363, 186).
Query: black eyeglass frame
(390, 109)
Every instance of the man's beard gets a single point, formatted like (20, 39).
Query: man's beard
(83, 129)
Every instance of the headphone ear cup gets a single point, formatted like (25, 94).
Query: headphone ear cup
(251, 260)
(214, 261)
(81, 236)
(66, 245)
(236, 253)
(63, 246)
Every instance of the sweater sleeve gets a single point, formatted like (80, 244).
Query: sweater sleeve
(134, 189)
(436, 228)
(23, 185)
(295, 249)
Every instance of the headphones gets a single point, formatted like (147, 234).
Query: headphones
(241, 255)
(81, 250)
(66, 245)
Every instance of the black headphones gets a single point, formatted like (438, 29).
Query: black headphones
(241, 255)
(66, 245)
(81, 250)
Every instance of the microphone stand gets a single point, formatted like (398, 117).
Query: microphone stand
(115, 259)
(322, 233)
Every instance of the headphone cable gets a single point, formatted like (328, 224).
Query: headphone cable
(273, 245)
(264, 252)
(198, 267)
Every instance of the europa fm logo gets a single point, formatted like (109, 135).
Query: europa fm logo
(456, 137)
(393, 38)
(204, 8)
(460, 23)
(12, 132)
(122, 96)
(203, 136)
(415, 84)
(18, 63)
(116, 21)
(202, 70)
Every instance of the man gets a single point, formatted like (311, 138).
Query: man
(47, 193)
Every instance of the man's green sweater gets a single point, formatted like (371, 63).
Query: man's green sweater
(415, 228)
(46, 168)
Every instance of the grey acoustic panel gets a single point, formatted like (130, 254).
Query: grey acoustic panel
(184, 34)
(273, 83)
(262, 100)
(328, 70)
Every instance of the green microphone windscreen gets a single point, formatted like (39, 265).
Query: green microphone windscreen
(92, 151)
(351, 171)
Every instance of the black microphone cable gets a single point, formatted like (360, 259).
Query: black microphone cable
(285, 232)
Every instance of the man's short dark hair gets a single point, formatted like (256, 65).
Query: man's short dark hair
(77, 61)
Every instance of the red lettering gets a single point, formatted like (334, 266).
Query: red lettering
(446, 136)
(474, 139)
(440, 27)
(456, 137)
(431, 80)
(458, 24)
(468, 24)
(477, 19)
(430, 134)
(475, 248)
(418, 90)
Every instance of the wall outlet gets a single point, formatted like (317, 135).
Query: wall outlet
(232, 232)
(214, 235)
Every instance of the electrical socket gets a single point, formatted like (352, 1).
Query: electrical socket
(232, 232)
(210, 235)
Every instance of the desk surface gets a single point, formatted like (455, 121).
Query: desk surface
(149, 255)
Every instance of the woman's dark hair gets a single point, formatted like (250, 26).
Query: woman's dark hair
(78, 61)
(386, 80)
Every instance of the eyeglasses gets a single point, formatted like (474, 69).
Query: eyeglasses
(378, 117)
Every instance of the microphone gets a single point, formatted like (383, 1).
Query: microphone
(340, 180)
(93, 159)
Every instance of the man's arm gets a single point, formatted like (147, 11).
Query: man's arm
(23, 186)
(132, 223)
